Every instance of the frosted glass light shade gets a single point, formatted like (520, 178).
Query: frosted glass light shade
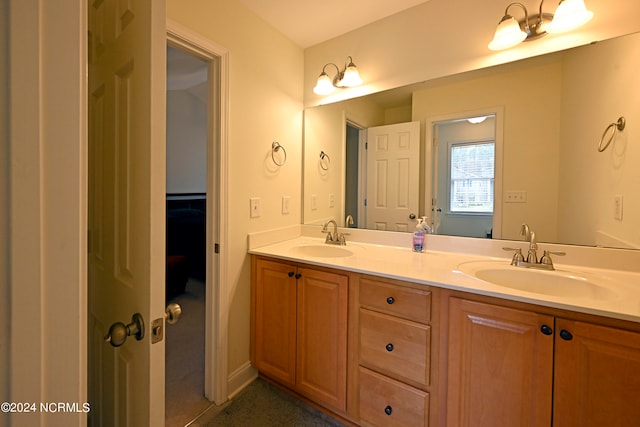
(508, 34)
(570, 14)
(324, 85)
(351, 77)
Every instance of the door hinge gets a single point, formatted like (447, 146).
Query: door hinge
(216, 248)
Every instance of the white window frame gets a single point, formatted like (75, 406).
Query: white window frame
(450, 146)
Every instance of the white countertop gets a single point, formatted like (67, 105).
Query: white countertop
(441, 269)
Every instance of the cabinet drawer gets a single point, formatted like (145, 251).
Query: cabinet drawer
(408, 303)
(395, 346)
(385, 402)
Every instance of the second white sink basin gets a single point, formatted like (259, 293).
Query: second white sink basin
(323, 251)
(554, 283)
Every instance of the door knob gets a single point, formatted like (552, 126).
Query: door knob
(172, 313)
(118, 332)
(412, 216)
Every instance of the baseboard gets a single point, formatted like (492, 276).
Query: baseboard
(240, 378)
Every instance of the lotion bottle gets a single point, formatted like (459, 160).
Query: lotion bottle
(418, 237)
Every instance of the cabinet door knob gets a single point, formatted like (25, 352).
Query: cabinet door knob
(545, 329)
(566, 335)
(390, 300)
(388, 410)
(298, 276)
(291, 273)
(389, 347)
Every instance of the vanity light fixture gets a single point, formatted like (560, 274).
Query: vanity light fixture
(569, 14)
(349, 77)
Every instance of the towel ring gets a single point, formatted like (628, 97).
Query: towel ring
(275, 147)
(325, 156)
(617, 126)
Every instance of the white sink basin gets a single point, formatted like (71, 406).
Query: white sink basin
(322, 251)
(558, 283)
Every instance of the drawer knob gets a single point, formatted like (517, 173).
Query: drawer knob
(566, 335)
(388, 410)
(389, 347)
(390, 300)
(546, 329)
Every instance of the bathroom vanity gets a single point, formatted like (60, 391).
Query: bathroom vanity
(379, 335)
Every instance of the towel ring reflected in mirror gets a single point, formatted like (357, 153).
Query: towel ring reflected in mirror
(325, 161)
(616, 127)
(275, 147)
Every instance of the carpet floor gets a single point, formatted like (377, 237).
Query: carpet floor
(264, 405)
(184, 353)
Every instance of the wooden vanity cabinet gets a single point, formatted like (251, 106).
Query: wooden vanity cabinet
(394, 357)
(596, 375)
(299, 329)
(513, 366)
(500, 366)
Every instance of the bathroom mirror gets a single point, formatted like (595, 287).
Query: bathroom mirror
(553, 111)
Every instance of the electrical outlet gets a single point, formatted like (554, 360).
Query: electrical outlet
(255, 208)
(617, 207)
(286, 202)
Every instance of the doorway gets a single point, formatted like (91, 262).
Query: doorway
(188, 91)
(466, 177)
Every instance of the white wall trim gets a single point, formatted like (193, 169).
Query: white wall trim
(217, 311)
(241, 378)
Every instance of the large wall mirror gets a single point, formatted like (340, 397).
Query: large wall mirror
(537, 151)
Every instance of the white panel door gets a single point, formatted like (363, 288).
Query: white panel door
(127, 73)
(393, 161)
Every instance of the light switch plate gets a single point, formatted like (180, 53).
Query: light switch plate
(255, 208)
(515, 197)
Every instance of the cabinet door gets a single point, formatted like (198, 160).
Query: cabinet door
(322, 337)
(275, 320)
(499, 366)
(597, 376)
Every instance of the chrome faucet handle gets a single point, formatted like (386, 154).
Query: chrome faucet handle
(546, 257)
(517, 256)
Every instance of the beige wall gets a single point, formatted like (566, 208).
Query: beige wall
(443, 37)
(590, 180)
(265, 78)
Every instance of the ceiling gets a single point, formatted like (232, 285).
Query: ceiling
(304, 22)
(309, 22)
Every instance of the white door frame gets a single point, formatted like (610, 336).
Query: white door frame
(216, 310)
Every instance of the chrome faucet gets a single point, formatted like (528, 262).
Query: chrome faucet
(531, 260)
(333, 238)
(348, 221)
(530, 236)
